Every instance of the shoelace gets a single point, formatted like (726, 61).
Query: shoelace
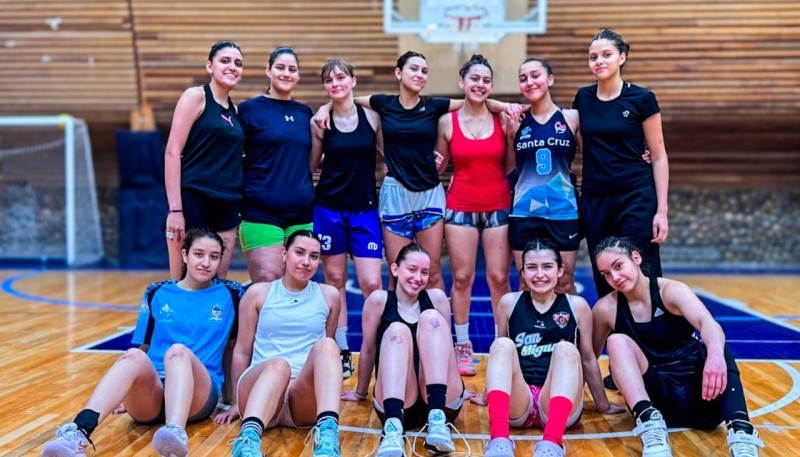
(656, 436)
(446, 426)
(321, 444)
(403, 440)
(741, 449)
(246, 442)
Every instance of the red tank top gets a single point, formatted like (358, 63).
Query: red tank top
(479, 180)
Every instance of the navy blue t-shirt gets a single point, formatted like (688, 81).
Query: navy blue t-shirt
(277, 185)
(409, 138)
(613, 140)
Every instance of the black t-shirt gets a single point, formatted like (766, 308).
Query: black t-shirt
(277, 185)
(347, 181)
(613, 140)
(409, 139)
(211, 160)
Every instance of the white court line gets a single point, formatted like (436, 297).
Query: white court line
(85, 347)
(790, 397)
(742, 306)
(32, 425)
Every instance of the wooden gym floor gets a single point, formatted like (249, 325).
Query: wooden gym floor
(44, 381)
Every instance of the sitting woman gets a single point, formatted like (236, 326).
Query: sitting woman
(412, 386)
(285, 358)
(543, 354)
(186, 323)
(665, 374)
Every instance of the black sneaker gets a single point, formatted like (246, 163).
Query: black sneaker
(608, 383)
(347, 363)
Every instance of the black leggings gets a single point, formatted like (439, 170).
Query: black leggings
(675, 389)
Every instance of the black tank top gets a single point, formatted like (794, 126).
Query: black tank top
(211, 161)
(347, 182)
(391, 315)
(536, 334)
(666, 338)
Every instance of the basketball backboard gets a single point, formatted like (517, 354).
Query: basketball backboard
(462, 21)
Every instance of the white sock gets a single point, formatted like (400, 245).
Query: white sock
(495, 331)
(462, 333)
(341, 338)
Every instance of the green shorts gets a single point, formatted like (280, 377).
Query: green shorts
(253, 235)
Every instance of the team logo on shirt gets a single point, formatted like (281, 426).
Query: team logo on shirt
(626, 113)
(166, 311)
(227, 118)
(216, 313)
(525, 134)
(288, 118)
(659, 312)
(421, 110)
(561, 318)
(560, 127)
(539, 324)
(144, 308)
(528, 344)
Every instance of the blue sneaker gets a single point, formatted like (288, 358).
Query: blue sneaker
(247, 444)
(326, 439)
(69, 442)
(171, 441)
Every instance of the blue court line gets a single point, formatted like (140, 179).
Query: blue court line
(8, 287)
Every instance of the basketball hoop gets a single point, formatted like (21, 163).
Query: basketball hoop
(465, 20)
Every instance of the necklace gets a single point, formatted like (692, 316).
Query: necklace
(480, 130)
(348, 122)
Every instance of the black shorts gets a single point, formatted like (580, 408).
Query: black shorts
(202, 211)
(416, 416)
(675, 389)
(566, 235)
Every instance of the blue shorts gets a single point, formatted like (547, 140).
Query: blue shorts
(405, 212)
(355, 232)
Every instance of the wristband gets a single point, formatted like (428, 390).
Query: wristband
(360, 396)
(175, 211)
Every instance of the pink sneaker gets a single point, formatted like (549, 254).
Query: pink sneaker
(464, 357)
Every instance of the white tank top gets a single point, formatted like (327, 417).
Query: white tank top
(289, 324)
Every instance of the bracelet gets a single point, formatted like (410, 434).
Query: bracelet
(175, 211)
(360, 396)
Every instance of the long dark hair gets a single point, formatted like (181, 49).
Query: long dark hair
(195, 234)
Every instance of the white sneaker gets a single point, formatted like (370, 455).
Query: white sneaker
(171, 441)
(654, 436)
(548, 449)
(743, 444)
(69, 442)
(439, 438)
(392, 440)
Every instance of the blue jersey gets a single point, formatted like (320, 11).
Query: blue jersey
(201, 320)
(546, 185)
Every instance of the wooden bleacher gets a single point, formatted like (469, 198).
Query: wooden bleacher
(726, 73)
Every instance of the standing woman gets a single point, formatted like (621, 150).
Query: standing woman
(545, 198)
(202, 162)
(478, 199)
(277, 188)
(412, 198)
(412, 386)
(346, 198)
(176, 376)
(285, 360)
(623, 195)
(666, 375)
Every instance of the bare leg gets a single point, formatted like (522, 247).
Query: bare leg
(132, 380)
(335, 270)
(318, 387)
(262, 389)
(431, 240)
(503, 373)
(566, 283)
(392, 244)
(368, 271)
(498, 262)
(564, 377)
(463, 245)
(438, 360)
(265, 264)
(229, 240)
(627, 364)
(396, 377)
(187, 386)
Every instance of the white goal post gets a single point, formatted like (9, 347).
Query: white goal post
(48, 199)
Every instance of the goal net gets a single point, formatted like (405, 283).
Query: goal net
(48, 199)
